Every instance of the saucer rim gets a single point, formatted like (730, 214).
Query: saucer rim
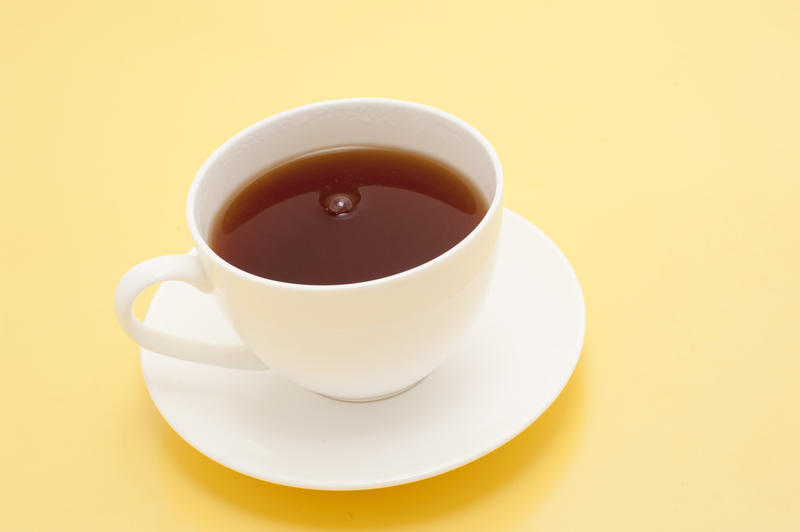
(450, 465)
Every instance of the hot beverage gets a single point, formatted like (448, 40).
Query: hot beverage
(346, 215)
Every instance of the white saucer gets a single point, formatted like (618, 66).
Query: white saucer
(519, 357)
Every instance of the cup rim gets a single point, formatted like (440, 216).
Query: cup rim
(205, 248)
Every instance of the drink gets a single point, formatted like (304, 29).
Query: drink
(346, 215)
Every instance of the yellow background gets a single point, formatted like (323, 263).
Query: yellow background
(658, 144)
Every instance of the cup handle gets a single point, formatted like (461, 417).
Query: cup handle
(186, 268)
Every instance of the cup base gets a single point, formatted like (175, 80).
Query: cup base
(372, 398)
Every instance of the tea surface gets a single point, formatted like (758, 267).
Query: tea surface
(346, 215)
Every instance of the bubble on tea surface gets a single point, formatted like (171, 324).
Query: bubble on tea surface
(340, 203)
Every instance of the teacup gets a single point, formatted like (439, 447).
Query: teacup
(354, 342)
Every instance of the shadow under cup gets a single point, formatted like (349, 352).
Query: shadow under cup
(364, 340)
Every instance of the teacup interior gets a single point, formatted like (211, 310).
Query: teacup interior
(339, 123)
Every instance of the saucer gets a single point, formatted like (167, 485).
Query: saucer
(502, 376)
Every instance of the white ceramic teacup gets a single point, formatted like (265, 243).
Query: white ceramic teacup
(357, 341)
